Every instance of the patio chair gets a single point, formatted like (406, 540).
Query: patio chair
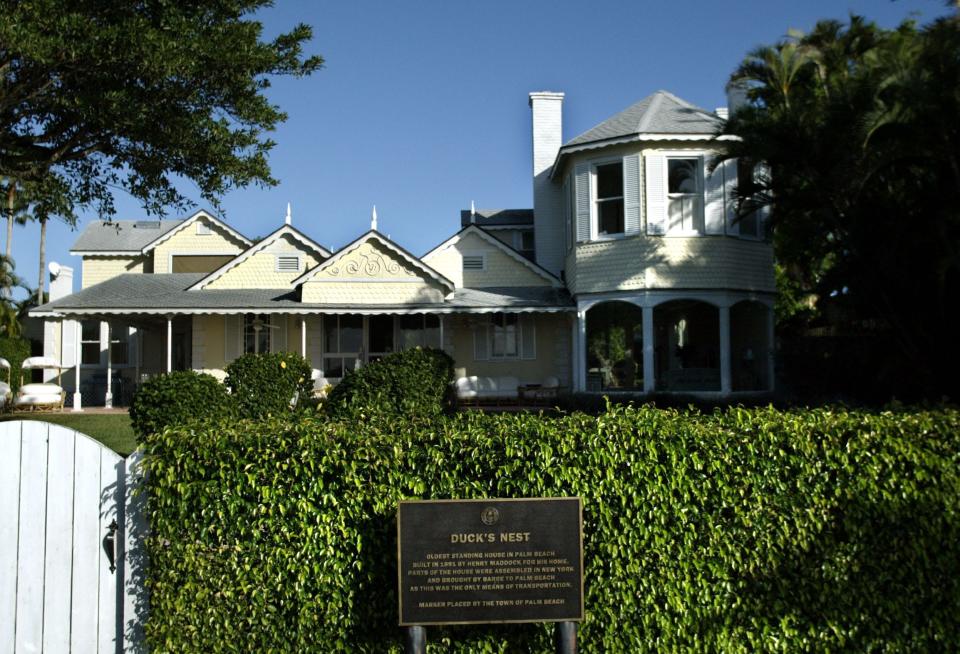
(5, 385)
(42, 396)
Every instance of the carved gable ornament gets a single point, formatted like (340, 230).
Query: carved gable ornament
(371, 261)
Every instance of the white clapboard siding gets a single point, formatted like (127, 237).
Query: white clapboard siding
(631, 194)
(59, 492)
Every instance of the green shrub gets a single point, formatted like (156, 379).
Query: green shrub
(14, 350)
(741, 530)
(414, 382)
(177, 398)
(268, 384)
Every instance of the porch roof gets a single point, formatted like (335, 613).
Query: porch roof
(162, 294)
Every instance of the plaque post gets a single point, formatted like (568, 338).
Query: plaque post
(415, 641)
(565, 637)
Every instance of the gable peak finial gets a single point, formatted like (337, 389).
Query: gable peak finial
(473, 212)
(373, 218)
(289, 219)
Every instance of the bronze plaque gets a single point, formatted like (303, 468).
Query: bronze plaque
(492, 560)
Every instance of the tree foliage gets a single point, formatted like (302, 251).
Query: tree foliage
(858, 126)
(104, 94)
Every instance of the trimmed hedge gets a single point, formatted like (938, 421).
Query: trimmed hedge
(269, 384)
(415, 382)
(741, 530)
(14, 350)
(176, 398)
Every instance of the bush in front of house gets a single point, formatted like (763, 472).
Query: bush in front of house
(735, 530)
(14, 350)
(269, 384)
(176, 398)
(414, 382)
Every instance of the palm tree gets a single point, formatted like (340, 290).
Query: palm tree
(9, 311)
(16, 211)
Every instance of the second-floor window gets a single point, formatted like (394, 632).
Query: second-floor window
(609, 200)
(684, 195)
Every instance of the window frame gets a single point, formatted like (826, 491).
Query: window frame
(699, 195)
(595, 234)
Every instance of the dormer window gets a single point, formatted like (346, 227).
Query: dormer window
(288, 263)
(609, 200)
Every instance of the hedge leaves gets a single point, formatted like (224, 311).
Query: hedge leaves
(740, 530)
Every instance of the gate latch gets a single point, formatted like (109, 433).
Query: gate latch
(110, 545)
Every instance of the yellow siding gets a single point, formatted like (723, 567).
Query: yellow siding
(641, 262)
(208, 345)
(371, 292)
(501, 268)
(187, 241)
(371, 274)
(259, 270)
(553, 351)
(100, 269)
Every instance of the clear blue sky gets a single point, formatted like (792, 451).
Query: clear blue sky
(422, 105)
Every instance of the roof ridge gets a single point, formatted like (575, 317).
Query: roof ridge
(650, 111)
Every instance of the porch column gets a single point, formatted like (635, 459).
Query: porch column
(77, 403)
(581, 351)
(725, 376)
(138, 360)
(771, 349)
(574, 356)
(169, 343)
(108, 396)
(649, 370)
(303, 336)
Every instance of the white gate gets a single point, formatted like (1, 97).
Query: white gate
(71, 535)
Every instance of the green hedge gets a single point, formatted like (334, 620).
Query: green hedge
(742, 530)
(14, 350)
(269, 384)
(176, 398)
(413, 382)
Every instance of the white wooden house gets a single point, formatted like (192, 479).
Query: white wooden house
(632, 273)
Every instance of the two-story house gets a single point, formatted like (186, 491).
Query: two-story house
(632, 273)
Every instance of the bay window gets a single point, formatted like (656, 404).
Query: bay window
(608, 205)
(684, 195)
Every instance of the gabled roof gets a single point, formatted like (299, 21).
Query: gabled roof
(497, 243)
(661, 113)
(120, 236)
(189, 221)
(497, 217)
(285, 230)
(387, 243)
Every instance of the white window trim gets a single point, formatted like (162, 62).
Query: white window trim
(702, 155)
(485, 330)
(203, 229)
(595, 234)
(279, 255)
(483, 261)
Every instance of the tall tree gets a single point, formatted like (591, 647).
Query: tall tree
(104, 94)
(858, 126)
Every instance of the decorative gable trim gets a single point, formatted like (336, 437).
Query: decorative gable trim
(286, 230)
(391, 246)
(506, 249)
(192, 220)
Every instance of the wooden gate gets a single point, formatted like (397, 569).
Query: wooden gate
(71, 533)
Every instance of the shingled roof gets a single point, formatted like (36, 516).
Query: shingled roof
(659, 113)
(497, 217)
(121, 235)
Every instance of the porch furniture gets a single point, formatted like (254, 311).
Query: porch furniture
(320, 383)
(544, 392)
(487, 389)
(4, 385)
(42, 396)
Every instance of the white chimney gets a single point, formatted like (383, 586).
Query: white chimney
(736, 96)
(547, 114)
(61, 280)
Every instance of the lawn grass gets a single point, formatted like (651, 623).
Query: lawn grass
(111, 429)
